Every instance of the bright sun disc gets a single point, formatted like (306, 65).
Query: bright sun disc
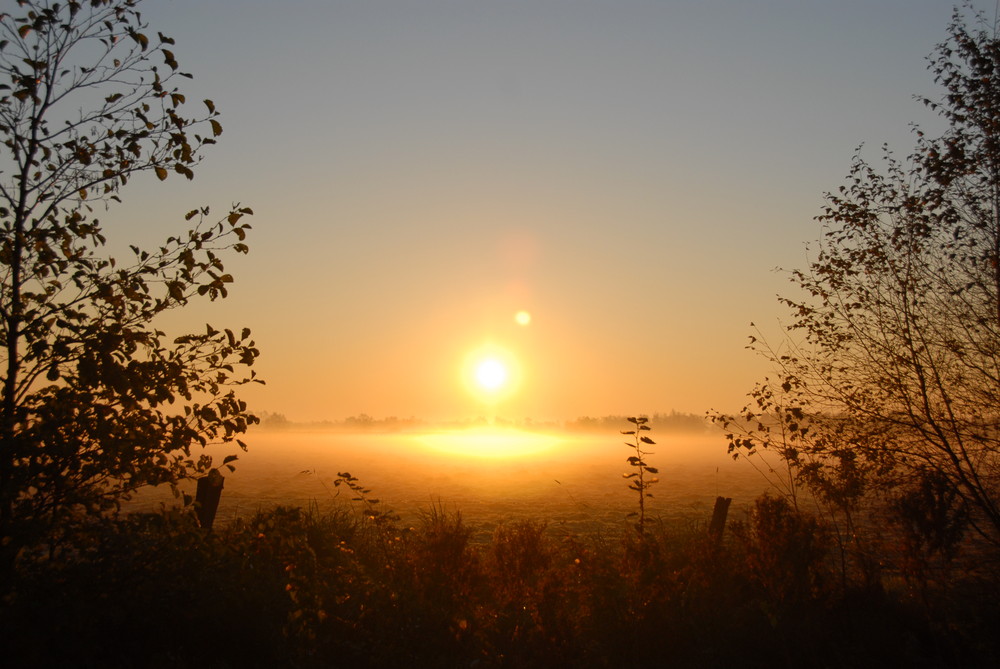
(491, 374)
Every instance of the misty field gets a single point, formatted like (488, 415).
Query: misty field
(573, 480)
(496, 549)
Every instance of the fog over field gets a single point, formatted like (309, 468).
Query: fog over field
(569, 478)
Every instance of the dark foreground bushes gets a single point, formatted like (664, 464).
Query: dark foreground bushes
(291, 587)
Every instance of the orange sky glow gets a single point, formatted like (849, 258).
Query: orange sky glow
(593, 195)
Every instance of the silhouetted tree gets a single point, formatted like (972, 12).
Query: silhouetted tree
(890, 376)
(96, 400)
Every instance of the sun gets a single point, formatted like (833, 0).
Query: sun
(491, 374)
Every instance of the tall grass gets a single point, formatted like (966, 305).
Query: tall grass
(296, 587)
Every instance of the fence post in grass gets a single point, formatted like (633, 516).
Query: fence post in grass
(207, 497)
(719, 517)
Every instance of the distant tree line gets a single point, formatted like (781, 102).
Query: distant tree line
(360, 422)
(673, 421)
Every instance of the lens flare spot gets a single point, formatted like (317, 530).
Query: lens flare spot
(522, 318)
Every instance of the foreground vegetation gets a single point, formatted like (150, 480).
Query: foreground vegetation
(884, 416)
(293, 587)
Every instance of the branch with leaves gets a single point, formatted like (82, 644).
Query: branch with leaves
(95, 400)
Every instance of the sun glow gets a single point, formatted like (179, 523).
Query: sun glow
(491, 443)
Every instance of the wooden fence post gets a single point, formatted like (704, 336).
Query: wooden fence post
(207, 497)
(719, 517)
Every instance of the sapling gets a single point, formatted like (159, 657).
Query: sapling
(638, 479)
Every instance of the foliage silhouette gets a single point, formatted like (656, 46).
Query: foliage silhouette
(294, 587)
(373, 508)
(97, 401)
(638, 480)
(888, 379)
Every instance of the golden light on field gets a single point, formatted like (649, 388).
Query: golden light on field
(522, 318)
(491, 443)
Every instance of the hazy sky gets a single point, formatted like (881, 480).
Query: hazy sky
(629, 172)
